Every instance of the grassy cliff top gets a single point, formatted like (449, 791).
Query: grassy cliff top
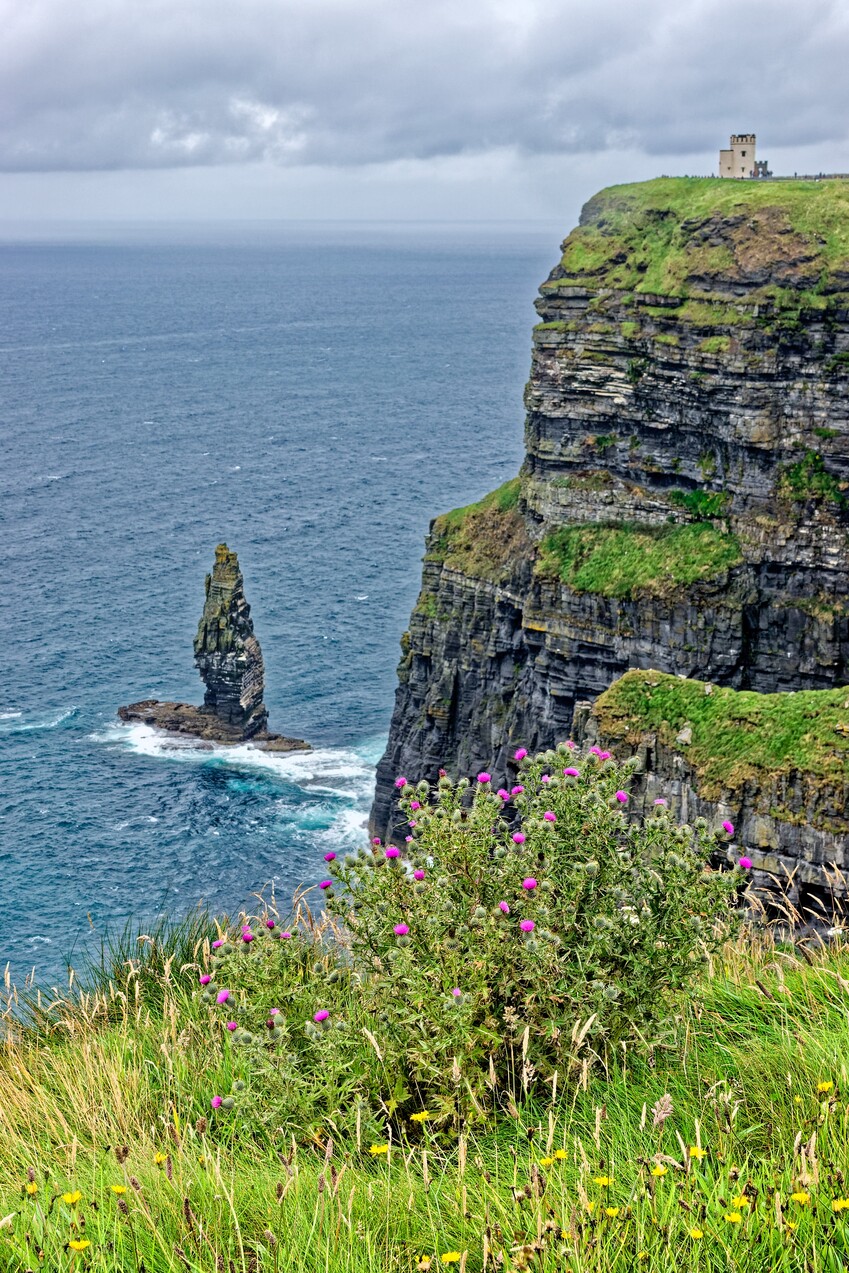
(713, 238)
(737, 735)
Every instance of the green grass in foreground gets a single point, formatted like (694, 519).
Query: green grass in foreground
(736, 733)
(108, 1142)
(625, 562)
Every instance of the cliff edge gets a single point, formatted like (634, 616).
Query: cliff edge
(682, 505)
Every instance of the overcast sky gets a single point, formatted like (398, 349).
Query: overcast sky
(456, 109)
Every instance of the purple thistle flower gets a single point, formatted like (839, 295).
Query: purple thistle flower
(571, 773)
(729, 827)
(503, 793)
(392, 851)
(400, 782)
(604, 755)
(330, 857)
(545, 778)
(518, 837)
(622, 797)
(456, 992)
(215, 1102)
(411, 824)
(548, 816)
(272, 1012)
(408, 839)
(321, 1015)
(285, 936)
(232, 1025)
(570, 744)
(401, 930)
(745, 863)
(529, 884)
(247, 936)
(661, 801)
(595, 751)
(222, 996)
(218, 943)
(520, 754)
(326, 884)
(484, 777)
(376, 841)
(527, 925)
(517, 791)
(415, 804)
(502, 906)
(269, 923)
(205, 979)
(418, 875)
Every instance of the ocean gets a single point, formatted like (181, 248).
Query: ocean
(312, 395)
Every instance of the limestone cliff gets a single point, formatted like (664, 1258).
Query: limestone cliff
(682, 502)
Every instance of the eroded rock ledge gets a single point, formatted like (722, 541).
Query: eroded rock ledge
(229, 659)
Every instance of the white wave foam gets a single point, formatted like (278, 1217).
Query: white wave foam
(14, 722)
(341, 773)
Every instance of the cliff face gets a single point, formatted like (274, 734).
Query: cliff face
(681, 506)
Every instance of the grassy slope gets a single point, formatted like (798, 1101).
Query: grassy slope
(737, 734)
(482, 539)
(626, 561)
(632, 237)
(132, 1066)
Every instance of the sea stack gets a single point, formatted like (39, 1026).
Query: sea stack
(227, 653)
(229, 660)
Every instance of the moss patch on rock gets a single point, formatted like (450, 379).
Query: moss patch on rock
(627, 561)
(738, 736)
(485, 540)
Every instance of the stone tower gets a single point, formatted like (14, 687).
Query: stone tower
(227, 654)
(739, 160)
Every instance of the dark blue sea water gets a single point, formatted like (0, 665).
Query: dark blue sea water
(313, 396)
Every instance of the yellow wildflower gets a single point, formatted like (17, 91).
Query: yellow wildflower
(379, 1149)
(159, 1159)
(613, 1212)
(561, 1154)
(801, 1197)
(590, 1206)
(31, 1187)
(695, 1234)
(71, 1198)
(79, 1244)
(797, 1100)
(659, 1170)
(601, 1180)
(740, 1201)
(733, 1217)
(642, 1255)
(696, 1151)
(825, 1087)
(118, 1188)
(839, 1204)
(421, 1118)
(451, 1257)
(546, 1162)
(790, 1224)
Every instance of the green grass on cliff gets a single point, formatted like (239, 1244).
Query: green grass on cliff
(484, 539)
(108, 1141)
(736, 734)
(622, 561)
(687, 237)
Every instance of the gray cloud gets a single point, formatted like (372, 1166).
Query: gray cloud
(111, 84)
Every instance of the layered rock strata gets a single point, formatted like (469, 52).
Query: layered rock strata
(776, 766)
(229, 660)
(682, 505)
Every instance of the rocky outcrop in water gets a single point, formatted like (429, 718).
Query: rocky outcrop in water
(229, 659)
(683, 501)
